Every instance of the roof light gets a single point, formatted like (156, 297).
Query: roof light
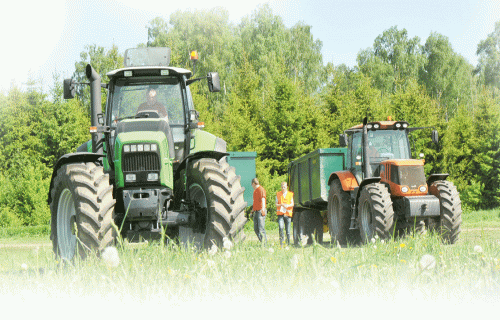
(376, 126)
(194, 55)
(369, 126)
(398, 125)
(423, 188)
(389, 118)
(405, 125)
(405, 189)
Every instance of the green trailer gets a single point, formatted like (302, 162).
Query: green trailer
(244, 164)
(308, 179)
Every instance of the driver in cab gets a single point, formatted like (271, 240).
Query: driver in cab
(152, 104)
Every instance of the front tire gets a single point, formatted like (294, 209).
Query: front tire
(375, 212)
(451, 210)
(216, 189)
(82, 211)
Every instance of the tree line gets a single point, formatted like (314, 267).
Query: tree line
(278, 98)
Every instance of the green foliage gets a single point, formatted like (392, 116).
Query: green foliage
(279, 100)
(488, 51)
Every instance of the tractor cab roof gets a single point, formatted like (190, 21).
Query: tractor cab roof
(380, 125)
(132, 72)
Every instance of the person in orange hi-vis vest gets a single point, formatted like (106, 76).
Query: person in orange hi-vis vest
(259, 211)
(284, 206)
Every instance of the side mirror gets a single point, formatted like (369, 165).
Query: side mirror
(343, 140)
(435, 136)
(69, 89)
(213, 82)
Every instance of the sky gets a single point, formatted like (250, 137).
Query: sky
(42, 38)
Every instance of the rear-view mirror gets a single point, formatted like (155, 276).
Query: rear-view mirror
(213, 82)
(69, 89)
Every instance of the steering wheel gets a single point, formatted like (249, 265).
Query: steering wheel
(147, 114)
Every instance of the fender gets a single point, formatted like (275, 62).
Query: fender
(72, 158)
(436, 176)
(198, 155)
(347, 179)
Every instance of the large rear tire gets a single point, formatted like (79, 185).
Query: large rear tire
(339, 216)
(375, 212)
(82, 211)
(217, 190)
(451, 210)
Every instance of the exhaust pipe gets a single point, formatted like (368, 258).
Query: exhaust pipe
(95, 106)
(366, 158)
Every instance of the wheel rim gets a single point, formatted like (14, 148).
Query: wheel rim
(366, 219)
(66, 225)
(196, 194)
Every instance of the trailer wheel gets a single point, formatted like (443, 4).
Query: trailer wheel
(308, 224)
(451, 210)
(375, 212)
(82, 211)
(215, 188)
(339, 216)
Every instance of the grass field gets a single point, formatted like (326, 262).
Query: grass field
(377, 280)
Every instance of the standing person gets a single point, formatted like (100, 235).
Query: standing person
(284, 205)
(259, 210)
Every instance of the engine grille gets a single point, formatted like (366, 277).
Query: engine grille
(141, 161)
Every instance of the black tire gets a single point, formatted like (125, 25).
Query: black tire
(216, 188)
(375, 212)
(339, 216)
(451, 210)
(307, 223)
(82, 211)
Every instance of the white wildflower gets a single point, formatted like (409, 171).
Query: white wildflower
(373, 240)
(303, 239)
(295, 261)
(375, 247)
(212, 250)
(427, 262)
(227, 254)
(287, 248)
(211, 263)
(478, 249)
(110, 257)
(271, 250)
(227, 244)
(382, 241)
(338, 245)
(24, 267)
(335, 285)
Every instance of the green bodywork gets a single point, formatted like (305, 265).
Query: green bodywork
(158, 137)
(203, 141)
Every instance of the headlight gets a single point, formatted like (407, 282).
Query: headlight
(405, 189)
(140, 147)
(154, 147)
(130, 177)
(423, 189)
(147, 147)
(133, 147)
(152, 176)
(126, 148)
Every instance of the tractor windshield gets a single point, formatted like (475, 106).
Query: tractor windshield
(163, 99)
(382, 145)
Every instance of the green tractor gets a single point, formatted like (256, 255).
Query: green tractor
(149, 170)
